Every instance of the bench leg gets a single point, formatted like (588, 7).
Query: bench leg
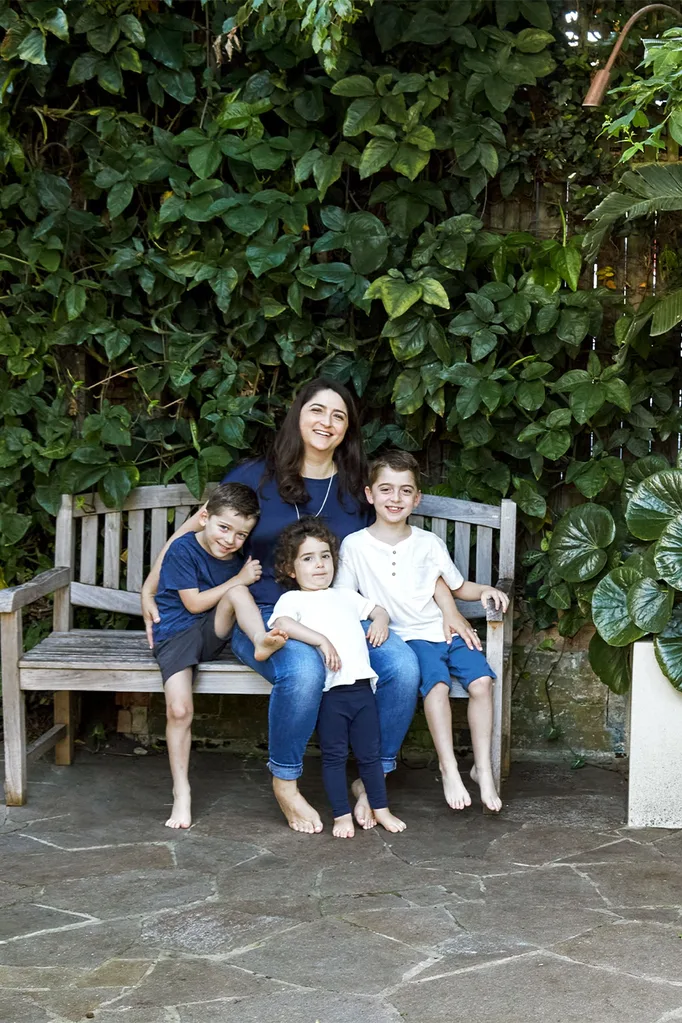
(65, 713)
(13, 709)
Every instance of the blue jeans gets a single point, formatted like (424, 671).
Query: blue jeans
(297, 675)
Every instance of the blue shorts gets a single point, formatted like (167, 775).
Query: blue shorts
(438, 662)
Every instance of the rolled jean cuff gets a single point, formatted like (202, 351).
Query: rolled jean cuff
(285, 772)
(388, 766)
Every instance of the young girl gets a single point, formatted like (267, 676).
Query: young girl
(330, 619)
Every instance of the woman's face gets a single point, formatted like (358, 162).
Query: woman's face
(323, 422)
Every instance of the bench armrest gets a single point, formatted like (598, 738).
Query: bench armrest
(492, 614)
(16, 597)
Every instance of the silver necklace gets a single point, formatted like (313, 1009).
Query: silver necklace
(320, 509)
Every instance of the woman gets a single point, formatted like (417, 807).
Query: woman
(316, 467)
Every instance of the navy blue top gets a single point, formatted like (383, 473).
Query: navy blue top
(187, 566)
(275, 514)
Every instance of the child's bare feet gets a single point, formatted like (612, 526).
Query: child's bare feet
(489, 796)
(363, 812)
(389, 821)
(456, 796)
(181, 814)
(343, 826)
(266, 643)
(300, 815)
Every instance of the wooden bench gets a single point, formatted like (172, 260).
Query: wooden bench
(95, 569)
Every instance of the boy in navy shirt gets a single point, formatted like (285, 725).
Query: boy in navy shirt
(203, 588)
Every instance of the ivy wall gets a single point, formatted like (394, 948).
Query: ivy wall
(203, 205)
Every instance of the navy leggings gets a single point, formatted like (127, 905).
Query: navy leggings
(349, 714)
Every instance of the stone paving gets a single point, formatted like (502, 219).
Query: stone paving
(552, 912)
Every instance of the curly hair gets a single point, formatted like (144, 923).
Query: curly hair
(289, 544)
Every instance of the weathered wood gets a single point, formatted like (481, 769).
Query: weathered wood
(64, 556)
(506, 570)
(417, 521)
(112, 550)
(495, 656)
(159, 532)
(89, 529)
(135, 552)
(106, 599)
(439, 527)
(143, 497)
(460, 511)
(15, 597)
(47, 741)
(66, 708)
(462, 547)
(210, 679)
(13, 709)
(484, 555)
(181, 514)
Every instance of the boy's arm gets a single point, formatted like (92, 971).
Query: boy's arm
(454, 623)
(197, 601)
(295, 630)
(478, 591)
(378, 630)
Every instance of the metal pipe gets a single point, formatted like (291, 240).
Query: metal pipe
(600, 82)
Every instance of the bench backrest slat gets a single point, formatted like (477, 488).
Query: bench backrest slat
(88, 572)
(112, 550)
(133, 537)
(135, 551)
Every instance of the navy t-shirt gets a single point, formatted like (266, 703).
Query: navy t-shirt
(275, 514)
(187, 566)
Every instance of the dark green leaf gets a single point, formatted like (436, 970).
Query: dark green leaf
(611, 665)
(656, 502)
(668, 649)
(649, 604)
(579, 541)
(609, 608)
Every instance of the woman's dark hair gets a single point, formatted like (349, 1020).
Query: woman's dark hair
(289, 544)
(286, 454)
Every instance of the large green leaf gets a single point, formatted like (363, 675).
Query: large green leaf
(579, 541)
(640, 470)
(668, 553)
(376, 155)
(361, 114)
(611, 665)
(667, 313)
(367, 241)
(668, 649)
(656, 501)
(650, 604)
(610, 610)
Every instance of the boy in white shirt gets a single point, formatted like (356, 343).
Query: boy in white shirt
(398, 566)
(330, 619)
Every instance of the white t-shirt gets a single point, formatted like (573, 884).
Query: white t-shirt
(337, 614)
(401, 577)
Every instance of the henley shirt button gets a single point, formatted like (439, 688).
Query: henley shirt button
(393, 563)
(392, 573)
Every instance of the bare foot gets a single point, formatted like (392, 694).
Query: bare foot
(343, 826)
(181, 814)
(489, 796)
(300, 815)
(363, 812)
(389, 821)
(266, 643)
(456, 796)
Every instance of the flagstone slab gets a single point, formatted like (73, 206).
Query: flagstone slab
(290, 1007)
(640, 949)
(80, 945)
(131, 893)
(211, 930)
(36, 863)
(29, 918)
(432, 931)
(17, 1009)
(536, 989)
(181, 980)
(342, 957)
(652, 883)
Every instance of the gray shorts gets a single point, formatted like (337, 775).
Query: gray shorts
(190, 647)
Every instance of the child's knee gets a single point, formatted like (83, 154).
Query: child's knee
(482, 686)
(179, 711)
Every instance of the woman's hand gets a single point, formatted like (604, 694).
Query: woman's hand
(250, 573)
(329, 654)
(499, 597)
(457, 625)
(150, 614)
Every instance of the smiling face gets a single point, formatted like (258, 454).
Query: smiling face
(313, 565)
(323, 422)
(224, 533)
(394, 495)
